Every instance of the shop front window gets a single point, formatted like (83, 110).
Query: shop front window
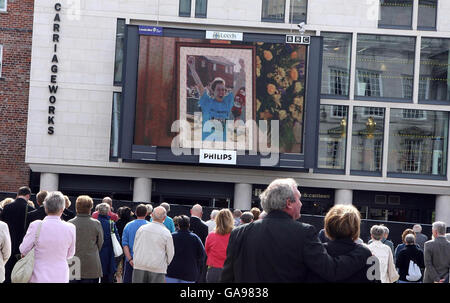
(383, 64)
(418, 142)
(336, 64)
(434, 65)
(367, 139)
(332, 137)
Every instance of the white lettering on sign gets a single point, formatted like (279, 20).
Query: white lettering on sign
(224, 36)
(217, 156)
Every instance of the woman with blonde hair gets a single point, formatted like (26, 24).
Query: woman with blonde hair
(216, 245)
(342, 228)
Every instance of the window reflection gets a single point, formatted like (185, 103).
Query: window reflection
(395, 13)
(427, 14)
(367, 139)
(418, 142)
(332, 136)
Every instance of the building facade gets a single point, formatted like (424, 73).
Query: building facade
(381, 141)
(16, 27)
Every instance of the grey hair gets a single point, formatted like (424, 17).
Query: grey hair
(166, 206)
(214, 213)
(277, 193)
(440, 227)
(149, 208)
(417, 228)
(386, 229)
(103, 209)
(377, 232)
(54, 202)
(159, 213)
(410, 239)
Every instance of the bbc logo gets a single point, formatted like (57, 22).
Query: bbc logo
(298, 39)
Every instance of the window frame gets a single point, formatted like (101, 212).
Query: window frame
(427, 28)
(292, 16)
(201, 15)
(184, 14)
(273, 20)
(4, 10)
(408, 27)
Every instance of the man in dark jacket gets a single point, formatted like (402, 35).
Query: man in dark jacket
(38, 214)
(198, 227)
(281, 249)
(14, 215)
(410, 253)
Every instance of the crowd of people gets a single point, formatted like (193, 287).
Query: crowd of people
(271, 245)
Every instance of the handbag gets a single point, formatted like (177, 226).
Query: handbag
(414, 273)
(118, 251)
(23, 269)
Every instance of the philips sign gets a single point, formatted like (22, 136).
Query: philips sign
(217, 156)
(224, 36)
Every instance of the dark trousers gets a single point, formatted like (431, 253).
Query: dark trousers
(85, 281)
(9, 267)
(127, 273)
(202, 275)
(107, 279)
(213, 275)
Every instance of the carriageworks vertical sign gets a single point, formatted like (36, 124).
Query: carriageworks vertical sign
(53, 87)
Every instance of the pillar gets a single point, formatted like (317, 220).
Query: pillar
(343, 196)
(443, 209)
(242, 196)
(49, 182)
(142, 190)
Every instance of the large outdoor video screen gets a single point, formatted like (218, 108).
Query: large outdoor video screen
(222, 91)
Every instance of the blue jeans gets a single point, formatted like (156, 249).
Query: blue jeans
(127, 272)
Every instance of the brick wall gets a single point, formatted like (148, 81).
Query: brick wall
(15, 36)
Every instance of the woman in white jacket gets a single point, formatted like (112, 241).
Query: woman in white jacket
(5, 248)
(384, 254)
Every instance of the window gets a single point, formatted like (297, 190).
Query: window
(332, 136)
(418, 142)
(434, 65)
(396, 13)
(367, 138)
(115, 125)
(336, 63)
(369, 84)
(201, 7)
(407, 84)
(1, 59)
(3, 5)
(298, 11)
(273, 10)
(120, 39)
(185, 8)
(427, 14)
(382, 62)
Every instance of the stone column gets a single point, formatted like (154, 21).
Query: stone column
(343, 196)
(443, 209)
(49, 182)
(242, 196)
(142, 190)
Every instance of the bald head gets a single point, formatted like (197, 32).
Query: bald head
(197, 210)
(159, 214)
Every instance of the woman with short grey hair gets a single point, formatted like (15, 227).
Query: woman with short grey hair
(384, 254)
(109, 266)
(410, 253)
(55, 243)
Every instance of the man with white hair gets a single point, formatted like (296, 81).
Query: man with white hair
(212, 222)
(420, 238)
(281, 249)
(437, 255)
(113, 216)
(153, 250)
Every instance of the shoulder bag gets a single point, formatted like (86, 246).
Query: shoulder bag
(118, 251)
(23, 270)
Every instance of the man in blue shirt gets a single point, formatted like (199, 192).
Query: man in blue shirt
(129, 233)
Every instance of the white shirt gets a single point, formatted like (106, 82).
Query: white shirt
(384, 254)
(153, 248)
(211, 225)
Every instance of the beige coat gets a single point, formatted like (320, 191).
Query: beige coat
(153, 248)
(5, 248)
(89, 243)
(387, 267)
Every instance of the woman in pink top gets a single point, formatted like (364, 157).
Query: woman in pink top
(55, 245)
(216, 245)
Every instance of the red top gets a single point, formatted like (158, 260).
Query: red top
(112, 215)
(216, 249)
